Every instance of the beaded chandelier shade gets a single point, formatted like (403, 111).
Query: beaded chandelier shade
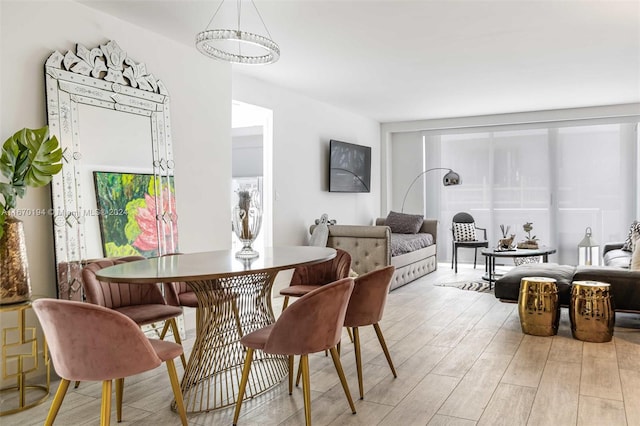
(236, 45)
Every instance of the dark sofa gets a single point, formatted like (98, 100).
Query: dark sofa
(625, 284)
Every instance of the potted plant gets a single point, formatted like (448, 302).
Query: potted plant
(530, 242)
(28, 158)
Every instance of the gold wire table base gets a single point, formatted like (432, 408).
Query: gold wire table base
(21, 358)
(228, 309)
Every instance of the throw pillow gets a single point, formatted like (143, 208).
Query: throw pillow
(628, 243)
(635, 257)
(464, 231)
(401, 223)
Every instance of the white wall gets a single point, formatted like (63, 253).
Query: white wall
(302, 128)
(200, 90)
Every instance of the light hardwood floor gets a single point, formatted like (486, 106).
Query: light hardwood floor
(461, 360)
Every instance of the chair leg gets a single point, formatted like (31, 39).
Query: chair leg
(177, 393)
(306, 388)
(178, 339)
(475, 257)
(57, 402)
(165, 328)
(243, 384)
(105, 406)
(285, 303)
(290, 374)
(376, 326)
(343, 380)
(453, 253)
(350, 335)
(356, 344)
(236, 314)
(299, 375)
(455, 258)
(77, 384)
(119, 392)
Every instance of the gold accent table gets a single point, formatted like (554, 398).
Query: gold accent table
(20, 346)
(538, 306)
(591, 311)
(214, 369)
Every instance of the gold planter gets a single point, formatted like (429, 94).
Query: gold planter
(538, 306)
(14, 268)
(591, 311)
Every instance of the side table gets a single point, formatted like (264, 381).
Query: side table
(21, 360)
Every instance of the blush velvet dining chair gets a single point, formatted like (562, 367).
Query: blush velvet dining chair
(92, 343)
(143, 303)
(311, 277)
(310, 325)
(366, 307)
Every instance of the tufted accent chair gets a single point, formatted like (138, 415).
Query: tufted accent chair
(143, 303)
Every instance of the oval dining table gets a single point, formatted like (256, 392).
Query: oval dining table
(234, 299)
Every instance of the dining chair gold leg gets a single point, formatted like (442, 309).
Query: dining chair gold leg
(338, 346)
(290, 374)
(236, 313)
(243, 384)
(177, 393)
(306, 388)
(119, 392)
(105, 406)
(57, 402)
(350, 335)
(178, 339)
(285, 303)
(299, 375)
(343, 379)
(384, 348)
(165, 328)
(356, 344)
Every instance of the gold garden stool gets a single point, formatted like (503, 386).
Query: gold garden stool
(591, 311)
(538, 306)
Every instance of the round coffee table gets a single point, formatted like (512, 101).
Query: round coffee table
(492, 254)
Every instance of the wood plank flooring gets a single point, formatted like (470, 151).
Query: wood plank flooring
(461, 360)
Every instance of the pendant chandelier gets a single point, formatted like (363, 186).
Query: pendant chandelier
(238, 46)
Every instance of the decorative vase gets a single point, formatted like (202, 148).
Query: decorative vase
(247, 220)
(14, 268)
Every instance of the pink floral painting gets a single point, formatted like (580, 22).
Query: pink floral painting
(128, 205)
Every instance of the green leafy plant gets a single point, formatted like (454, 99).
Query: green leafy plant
(528, 227)
(28, 158)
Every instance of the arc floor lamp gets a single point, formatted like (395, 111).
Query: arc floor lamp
(449, 179)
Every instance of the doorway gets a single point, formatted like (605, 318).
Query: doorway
(251, 162)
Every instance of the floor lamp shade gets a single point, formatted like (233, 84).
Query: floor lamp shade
(449, 179)
(588, 250)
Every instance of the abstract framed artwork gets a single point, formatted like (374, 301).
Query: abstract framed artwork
(130, 222)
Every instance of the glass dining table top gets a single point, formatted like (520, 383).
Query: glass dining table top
(213, 264)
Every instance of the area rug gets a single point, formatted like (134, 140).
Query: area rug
(480, 286)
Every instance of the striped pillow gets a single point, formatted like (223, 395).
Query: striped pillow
(628, 243)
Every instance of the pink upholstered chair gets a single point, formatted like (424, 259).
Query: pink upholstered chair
(310, 325)
(365, 308)
(143, 303)
(308, 278)
(89, 342)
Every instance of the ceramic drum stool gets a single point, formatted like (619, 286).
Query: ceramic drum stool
(538, 306)
(591, 311)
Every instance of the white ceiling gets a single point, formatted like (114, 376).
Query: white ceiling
(405, 60)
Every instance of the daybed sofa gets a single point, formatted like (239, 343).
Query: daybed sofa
(372, 247)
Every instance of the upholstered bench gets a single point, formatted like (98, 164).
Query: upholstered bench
(507, 287)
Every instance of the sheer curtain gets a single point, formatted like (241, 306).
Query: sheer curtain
(561, 179)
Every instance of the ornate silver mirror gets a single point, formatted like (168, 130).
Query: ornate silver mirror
(110, 115)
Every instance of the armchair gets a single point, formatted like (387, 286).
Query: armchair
(463, 231)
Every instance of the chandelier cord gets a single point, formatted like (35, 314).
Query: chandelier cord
(261, 20)
(214, 15)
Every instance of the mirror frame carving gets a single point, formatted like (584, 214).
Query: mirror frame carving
(103, 77)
